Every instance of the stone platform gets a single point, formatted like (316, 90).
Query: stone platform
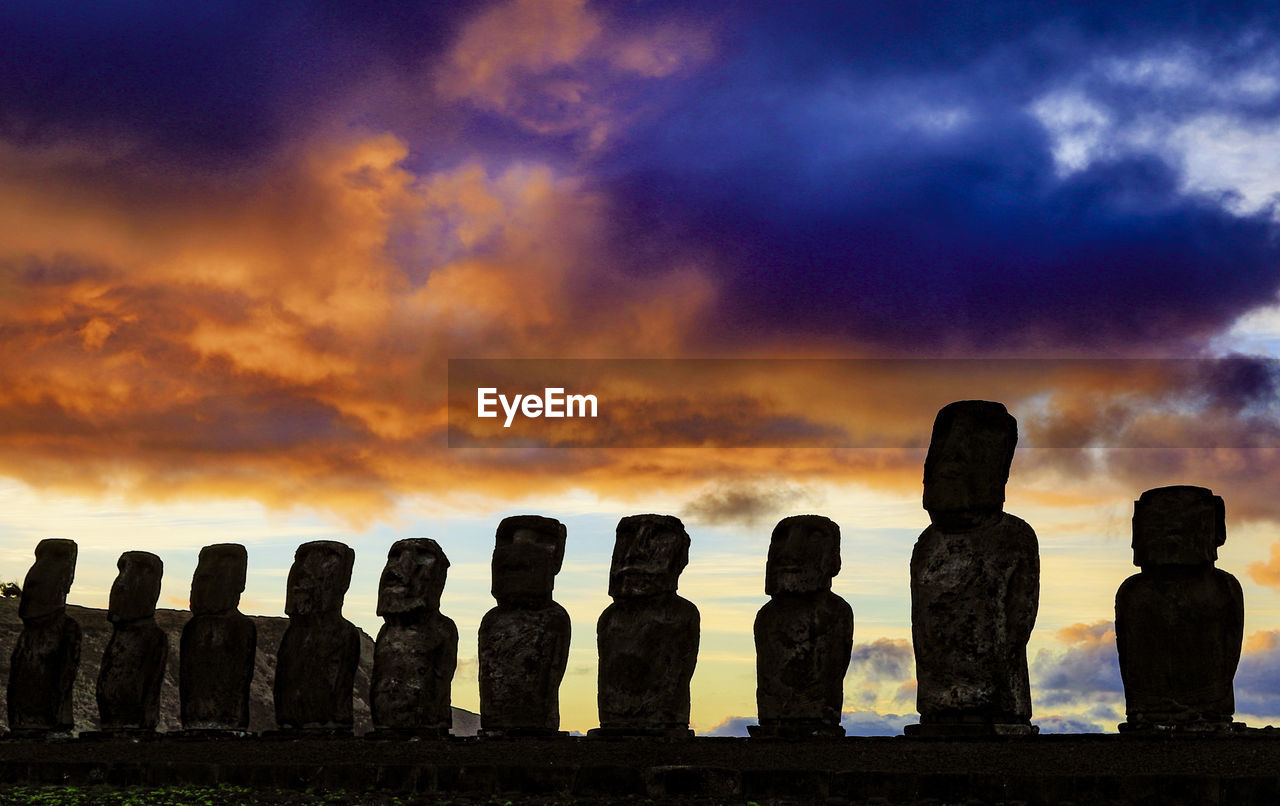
(1064, 769)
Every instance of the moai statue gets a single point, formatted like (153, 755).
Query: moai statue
(417, 648)
(804, 635)
(218, 643)
(524, 641)
(975, 581)
(648, 637)
(42, 668)
(133, 663)
(316, 664)
(1180, 622)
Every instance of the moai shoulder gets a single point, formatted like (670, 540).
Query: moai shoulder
(316, 664)
(416, 652)
(524, 640)
(803, 635)
(218, 644)
(648, 638)
(133, 663)
(1180, 621)
(975, 581)
(46, 656)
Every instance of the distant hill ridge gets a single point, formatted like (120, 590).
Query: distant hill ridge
(96, 631)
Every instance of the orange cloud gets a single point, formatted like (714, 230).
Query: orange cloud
(285, 337)
(1267, 573)
(544, 65)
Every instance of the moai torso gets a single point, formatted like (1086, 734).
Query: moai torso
(975, 580)
(316, 664)
(417, 648)
(804, 635)
(648, 637)
(524, 641)
(42, 668)
(1180, 622)
(132, 670)
(218, 644)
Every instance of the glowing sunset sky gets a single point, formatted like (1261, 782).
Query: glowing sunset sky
(239, 245)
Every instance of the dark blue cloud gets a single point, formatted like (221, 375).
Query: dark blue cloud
(880, 175)
(1087, 671)
(1257, 685)
(881, 660)
(207, 82)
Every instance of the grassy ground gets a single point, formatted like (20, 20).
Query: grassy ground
(242, 796)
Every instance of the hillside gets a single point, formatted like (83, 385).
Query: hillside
(96, 632)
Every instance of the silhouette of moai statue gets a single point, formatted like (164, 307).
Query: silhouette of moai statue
(133, 663)
(804, 635)
(648, 637)
(1180, 622)
(316, 664)
(524, 641)
(218, 643)
(42, 668)
(417, 648)
(975, 581)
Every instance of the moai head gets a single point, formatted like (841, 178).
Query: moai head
(527, 555)
(648, 556)
(804, 554)
(968, 463)
(319, 578)
(219, 578)
(1179, 525)
(413, 578)
(44, 591)
(136, 589)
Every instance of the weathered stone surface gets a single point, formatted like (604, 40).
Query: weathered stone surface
(804, 635)
(524, 641)
(218, 644)
(133, 664)
(316, 664)
(417, 648)
(1180, 621)
(43, 665)
(975, 580)
(648, 637)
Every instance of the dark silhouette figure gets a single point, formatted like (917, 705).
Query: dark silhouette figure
(648, 637)
(804, 635)
(524, 641)
(417, 648)
(218, 644)
(1180, 622)
(975, 581)
(42, 668)
(133, 663)
(316, 664)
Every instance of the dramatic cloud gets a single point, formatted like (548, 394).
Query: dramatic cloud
(883, 660)
(1087, 671)
(238, 267)
(745, 504)
(1256, 684)
(1267, 573)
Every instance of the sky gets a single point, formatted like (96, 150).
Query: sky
(239, 246)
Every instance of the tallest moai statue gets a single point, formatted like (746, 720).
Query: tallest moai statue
(975, 581)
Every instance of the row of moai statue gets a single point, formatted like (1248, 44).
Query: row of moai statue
(974, 595)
